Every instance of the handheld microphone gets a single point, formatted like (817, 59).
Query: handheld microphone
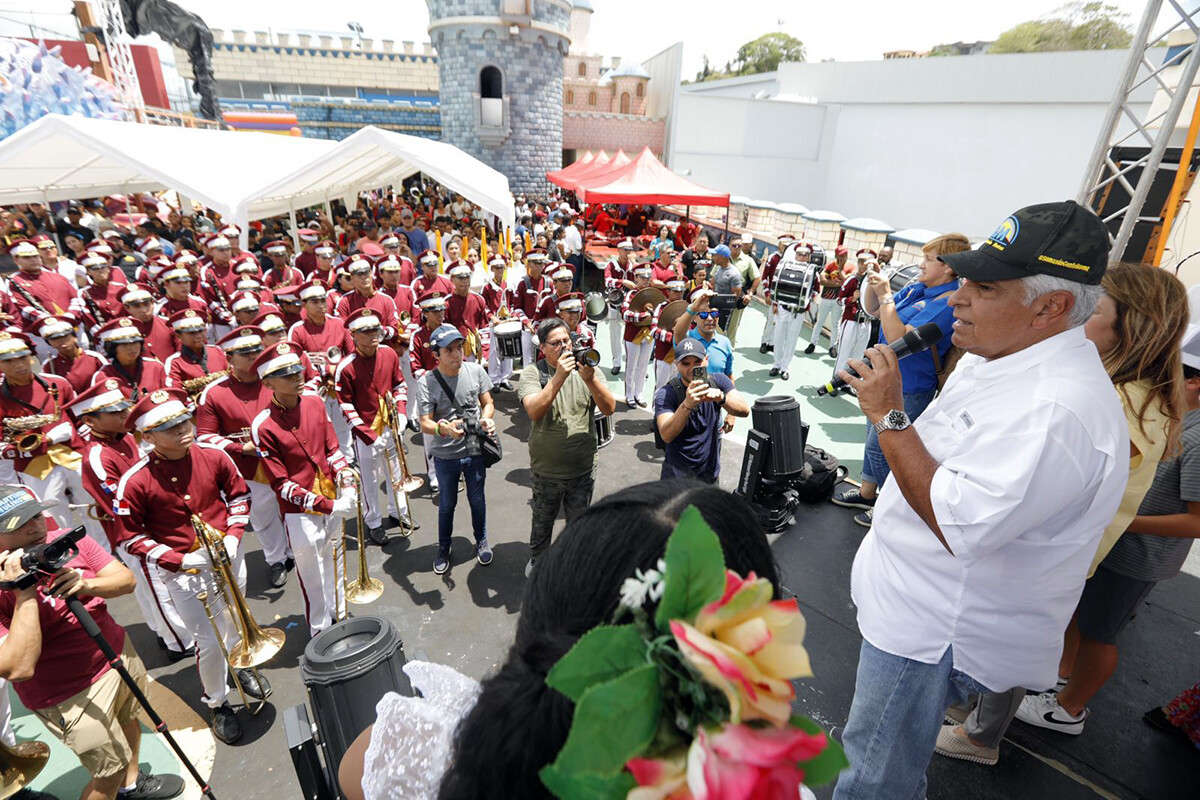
(915, 341)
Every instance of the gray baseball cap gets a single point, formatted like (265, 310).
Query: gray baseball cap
(18, 505)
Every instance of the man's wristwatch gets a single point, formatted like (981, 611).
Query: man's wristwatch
(894, 420)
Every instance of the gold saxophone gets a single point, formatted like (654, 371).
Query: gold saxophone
(194, 386)
(25, 432)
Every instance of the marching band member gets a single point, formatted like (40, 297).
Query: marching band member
(282, 273)
(224, 412)
(855, 326)
(245, 306)
(53, 262)
(195, 358)
(47, 457)
(365, 296)
(638, 343)
(391, 248)
(70, 361)
(287, 300)
(154, 503)
(129, 363)
(430, 280)
(527, 297)
(790, 318)
(433, 313)
(325, 340)
(237, 255)
(770, 265)
(138, 303)
(569, 308)
(306, 260)
(218, 282)
(101, 298)
(324, 254)
(466, 310)
(51, 292)
(110, 453)
(361, 378)
(618, 277)
(391, 274)
(496, 297)
(830, 279)
(300, 453)
(562, 277)
(274, 330)
(177, 294)
(664, 338)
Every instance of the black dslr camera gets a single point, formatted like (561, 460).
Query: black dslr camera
(43, 560)
(583, 353)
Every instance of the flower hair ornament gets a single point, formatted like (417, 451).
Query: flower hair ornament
(691, 699)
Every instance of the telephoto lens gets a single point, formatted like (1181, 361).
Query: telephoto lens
(584, 354)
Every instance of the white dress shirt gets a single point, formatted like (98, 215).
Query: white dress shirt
(1033, 451)
(572, 241)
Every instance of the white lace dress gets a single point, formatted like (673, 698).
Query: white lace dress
(411, 741)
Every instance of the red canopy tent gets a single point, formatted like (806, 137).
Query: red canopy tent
(563, 176)
(645, 180)
(596, 169)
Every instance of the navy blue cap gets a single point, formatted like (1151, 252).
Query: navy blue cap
(444, 336)
(690, 347)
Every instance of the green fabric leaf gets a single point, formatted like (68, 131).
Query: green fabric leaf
(695, 573)
(600, 655)
(586, 785)
(832, 760)
(614, 721)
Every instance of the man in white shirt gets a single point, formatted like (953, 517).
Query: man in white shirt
(984, 532)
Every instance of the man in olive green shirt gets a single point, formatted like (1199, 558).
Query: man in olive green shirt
(559, 396)
(744, 263)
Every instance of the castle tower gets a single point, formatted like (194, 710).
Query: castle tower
(500, 64)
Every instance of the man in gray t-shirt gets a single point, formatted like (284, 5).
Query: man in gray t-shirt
(453, 400)
(725, 278)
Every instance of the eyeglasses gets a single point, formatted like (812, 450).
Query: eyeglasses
(708, 314)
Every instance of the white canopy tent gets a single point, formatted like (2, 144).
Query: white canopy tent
(243, 176)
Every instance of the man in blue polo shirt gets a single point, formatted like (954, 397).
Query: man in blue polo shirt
(716, 345)
(924, 300)
(687, 411)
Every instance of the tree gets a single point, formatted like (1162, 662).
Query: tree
(1075, 26)
(765, 53)
(705, 72)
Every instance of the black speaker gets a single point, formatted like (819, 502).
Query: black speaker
(778, 416)
(347, 669)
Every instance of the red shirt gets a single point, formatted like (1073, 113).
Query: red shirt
(70, 661)
(166, 307)
(361, 380)
(549, 306)
(160, 340)
(663, 274)
(403, 297)
(297, 444)
(313, 338)
(495, 295)
(615, 275)
(104, 462)
(420, 352)
(226, 407)
(106, 299)
(217, 285)
(846, 295)
(664, 338)
(439, 282)
(467, 313)
(78, 371)
(768, 274)
(527, 296)
(632, 329)
(288, 276)
(383, 306)
(306, 263)
(52, 291)
(148, 375)
(187, 366)
(156, 499)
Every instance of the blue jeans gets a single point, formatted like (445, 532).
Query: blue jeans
(875, 467)
(894, 720)
(448, 470)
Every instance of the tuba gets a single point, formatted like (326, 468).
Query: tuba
(257, 645)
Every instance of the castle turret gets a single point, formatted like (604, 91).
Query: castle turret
(500, 64)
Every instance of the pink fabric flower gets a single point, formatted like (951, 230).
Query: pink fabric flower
(749, 647)
(660, 779)
(743, 763)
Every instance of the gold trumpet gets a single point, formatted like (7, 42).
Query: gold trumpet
(258, 645)
(21, 764)
(364, 589)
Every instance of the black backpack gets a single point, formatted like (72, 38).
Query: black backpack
(819, 475)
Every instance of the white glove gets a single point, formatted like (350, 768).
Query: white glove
(345, 506)
(196, 560)
(231, 546)
(380, 445)
(59, 434)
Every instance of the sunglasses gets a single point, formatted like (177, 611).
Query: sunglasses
(708, 314)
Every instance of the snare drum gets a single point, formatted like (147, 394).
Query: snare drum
(506, 338)
(603, 426)
(793, 287)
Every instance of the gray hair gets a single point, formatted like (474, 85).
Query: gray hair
(1086, 297)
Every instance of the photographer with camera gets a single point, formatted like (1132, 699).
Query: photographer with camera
(718, 347)
(56, 669)
(559, 393)
(687, 415)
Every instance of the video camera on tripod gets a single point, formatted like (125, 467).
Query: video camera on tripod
(43, 560)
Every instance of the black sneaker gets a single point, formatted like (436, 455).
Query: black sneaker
(808, 351)
(783, 375)
(852, 498)
(178, 655)
(290, 563)
(483, 551)
(1157, 718)
(616, 370)
(256, 687)
(278, 575)
(153, 787)
(225, 724)
(441, 562)
(641, 403)
(865, 518)
(774, 372)
(378, 535)
(506, 385)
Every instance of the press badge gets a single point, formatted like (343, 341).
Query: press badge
(963, 423)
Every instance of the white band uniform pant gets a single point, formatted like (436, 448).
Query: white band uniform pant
(60, 486)
(341, 426)
(158, 611)
(498, 368)
(373, 471)
(854, 337)
(828, 311)
(616, 336)
(528, 350)
(663, 371)
(312, 538)
(267, 521)
(787, 333)
(768, 335)
(637, 359)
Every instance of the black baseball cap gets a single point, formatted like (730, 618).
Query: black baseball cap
(1064, 239)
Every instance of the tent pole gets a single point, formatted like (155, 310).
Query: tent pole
(292, 224)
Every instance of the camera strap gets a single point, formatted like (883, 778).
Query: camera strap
(52, 391)
(449, 394)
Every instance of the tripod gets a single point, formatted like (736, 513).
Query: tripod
(114, 660)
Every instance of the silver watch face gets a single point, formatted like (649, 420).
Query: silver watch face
(896, 419)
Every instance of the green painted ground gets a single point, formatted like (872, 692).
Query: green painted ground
(835, 423)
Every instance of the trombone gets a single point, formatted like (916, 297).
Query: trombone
(400, 478)
(364, 589)
(257, 645)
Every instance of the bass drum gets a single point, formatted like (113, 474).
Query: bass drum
(604, 429)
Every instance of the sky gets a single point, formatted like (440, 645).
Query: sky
(850, 30)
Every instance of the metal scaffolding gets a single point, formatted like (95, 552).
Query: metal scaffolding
(120, 57)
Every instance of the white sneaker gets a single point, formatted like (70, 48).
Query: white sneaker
(1044, 711)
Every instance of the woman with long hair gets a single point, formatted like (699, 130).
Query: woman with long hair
(517, 724)
(1137, 328)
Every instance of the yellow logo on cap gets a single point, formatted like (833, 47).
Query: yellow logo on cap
(111, 383)
(159, 396)
(190, 312)
(5, 335)
(283, 349)
(125, 322)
